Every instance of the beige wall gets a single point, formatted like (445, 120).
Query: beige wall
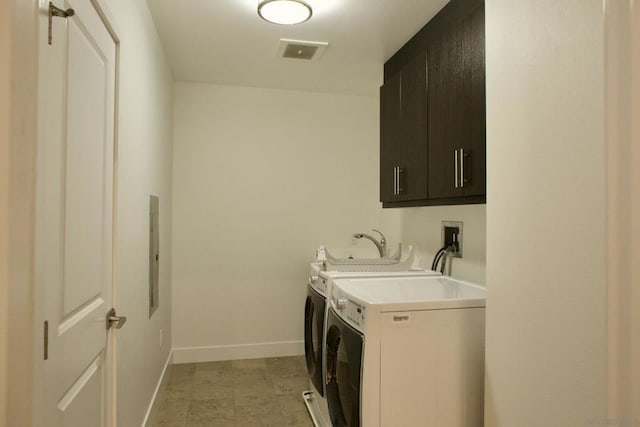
(633, 186)
(623, 211)
(143, 168)
(546, 224)
(423, 227)
(261, 179)
(18, 74)
(5, 55)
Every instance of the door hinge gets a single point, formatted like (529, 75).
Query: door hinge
(46, 340)
(61, 13)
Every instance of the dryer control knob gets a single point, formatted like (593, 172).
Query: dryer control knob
(341, 303)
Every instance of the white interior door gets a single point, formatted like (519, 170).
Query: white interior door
(74, 218)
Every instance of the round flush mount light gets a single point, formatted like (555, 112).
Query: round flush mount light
(284, 12)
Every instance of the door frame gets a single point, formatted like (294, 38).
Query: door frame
(622, 133)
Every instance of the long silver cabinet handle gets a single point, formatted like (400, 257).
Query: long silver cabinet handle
(455, 167)
(395, 181)
(462, 168)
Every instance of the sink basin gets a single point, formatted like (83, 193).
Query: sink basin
(393, 263)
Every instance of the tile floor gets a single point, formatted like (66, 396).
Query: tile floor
(254, 392)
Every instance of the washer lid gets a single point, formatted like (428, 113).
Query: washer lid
(413, 293)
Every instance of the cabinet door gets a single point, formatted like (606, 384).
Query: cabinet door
(413, 122)
(456, 102)
(473, 140)
(389, 138)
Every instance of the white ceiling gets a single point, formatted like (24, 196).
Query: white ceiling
(225, 42)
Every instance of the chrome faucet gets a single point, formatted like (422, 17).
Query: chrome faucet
(381, 245)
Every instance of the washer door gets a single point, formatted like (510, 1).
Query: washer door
(314, 308)
(344, 367)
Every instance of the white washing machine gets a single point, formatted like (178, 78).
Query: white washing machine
(316, 309)
(405, 352)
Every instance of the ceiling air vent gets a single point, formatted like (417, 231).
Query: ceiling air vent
(300, 49)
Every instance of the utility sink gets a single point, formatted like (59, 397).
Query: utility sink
(393, 263)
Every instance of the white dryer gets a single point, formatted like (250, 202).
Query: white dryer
(405, 352)
(316, 309)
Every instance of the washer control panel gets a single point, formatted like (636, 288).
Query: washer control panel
(355, 312)
(349, 309)
(319, 284)
(322, 285)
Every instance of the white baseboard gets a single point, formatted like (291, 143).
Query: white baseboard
(235, 352)
(155, 392)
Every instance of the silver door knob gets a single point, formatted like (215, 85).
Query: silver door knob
(113, 319)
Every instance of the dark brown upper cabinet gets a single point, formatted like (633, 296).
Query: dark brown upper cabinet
(432, 113)
(456, 103)
(403, 134)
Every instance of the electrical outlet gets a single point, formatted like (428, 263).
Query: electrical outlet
(452, 236)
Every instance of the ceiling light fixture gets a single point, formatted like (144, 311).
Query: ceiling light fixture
(284, 12)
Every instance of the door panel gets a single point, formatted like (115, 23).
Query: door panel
(403, 135)
(474, 112)
(77, 405)
(74, 217)
(456, 102)
(85, 181)
(445, 102)
(389, 137)
(414, 147)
